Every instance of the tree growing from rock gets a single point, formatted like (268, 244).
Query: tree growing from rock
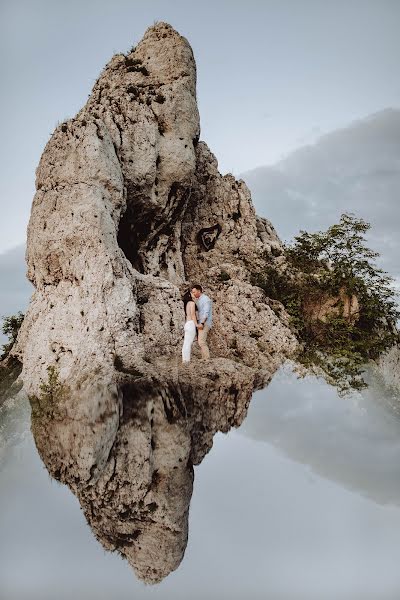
(331, 268)
(10, 328)
(10, 367)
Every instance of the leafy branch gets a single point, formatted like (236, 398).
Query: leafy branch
(330, 268)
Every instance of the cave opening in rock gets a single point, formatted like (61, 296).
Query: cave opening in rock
(134, 228)
(145, 229)
(128, 239)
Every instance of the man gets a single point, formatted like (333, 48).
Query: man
(204, 305)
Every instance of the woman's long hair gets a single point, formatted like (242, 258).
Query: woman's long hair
(187, 297)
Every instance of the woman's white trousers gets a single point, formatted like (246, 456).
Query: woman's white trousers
(190, 334)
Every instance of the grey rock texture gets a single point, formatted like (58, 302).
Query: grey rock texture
(132, 465)
(388, 366)
(129, 210)
(10, 378)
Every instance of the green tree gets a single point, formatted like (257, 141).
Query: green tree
(10, 367)
(52, 394)
(10, 328)
(326, 264)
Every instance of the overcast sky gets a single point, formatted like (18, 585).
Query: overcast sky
(272, 75)
(355, 169)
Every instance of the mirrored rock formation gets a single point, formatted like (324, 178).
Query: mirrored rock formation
(130, 460)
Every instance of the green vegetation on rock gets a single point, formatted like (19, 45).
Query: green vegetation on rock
(10, 367)
(52, 391)
(343, 307)
(10, 328)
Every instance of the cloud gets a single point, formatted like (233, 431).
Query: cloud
(352, 441)
(355, 169)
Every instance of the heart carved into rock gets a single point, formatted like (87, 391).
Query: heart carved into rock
(209, 235)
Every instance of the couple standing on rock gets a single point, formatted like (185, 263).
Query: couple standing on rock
(195, 300)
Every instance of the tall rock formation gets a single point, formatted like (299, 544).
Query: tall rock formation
(129, 209)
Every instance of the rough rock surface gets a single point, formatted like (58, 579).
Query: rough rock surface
(388, 365)
(325, 306)
(130, 208)
(10, 378)
(132, 465)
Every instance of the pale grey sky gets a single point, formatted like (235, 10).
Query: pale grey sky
(272, 75)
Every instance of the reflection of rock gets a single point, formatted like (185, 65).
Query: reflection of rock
(14, 422)
(130, 461)
(10, 379)
(388, 365)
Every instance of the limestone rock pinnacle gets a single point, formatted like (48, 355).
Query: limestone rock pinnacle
(129, 209)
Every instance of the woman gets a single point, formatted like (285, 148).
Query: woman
(190, 326)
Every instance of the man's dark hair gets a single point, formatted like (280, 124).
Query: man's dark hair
(197, 286)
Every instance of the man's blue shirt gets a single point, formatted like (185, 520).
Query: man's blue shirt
(204, 305)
